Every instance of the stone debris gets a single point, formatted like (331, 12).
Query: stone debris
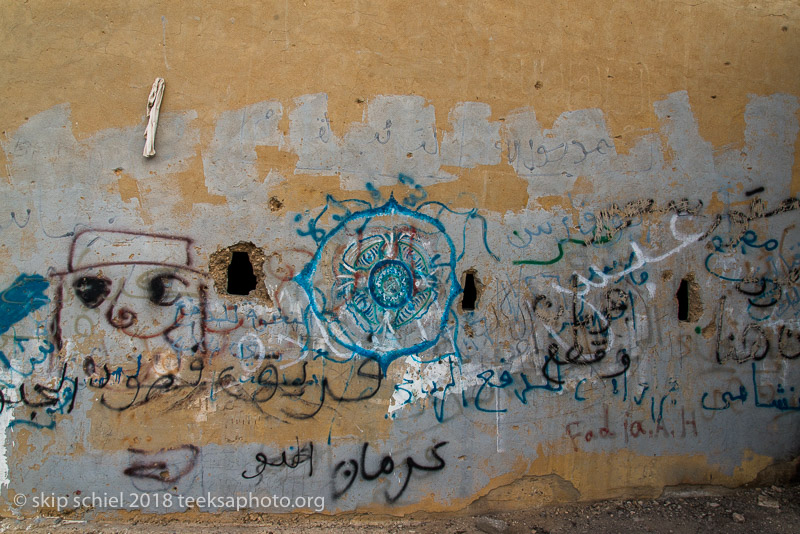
(490, 525)
(766, 502)
(718, 511)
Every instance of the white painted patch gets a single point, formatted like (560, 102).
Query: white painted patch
(651, 289)
(5, 419)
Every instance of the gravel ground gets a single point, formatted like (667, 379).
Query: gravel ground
(774, 509)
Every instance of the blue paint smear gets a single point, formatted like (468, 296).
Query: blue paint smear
(21, 298)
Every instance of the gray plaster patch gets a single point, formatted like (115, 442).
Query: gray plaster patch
(230, 162)
(473, 140)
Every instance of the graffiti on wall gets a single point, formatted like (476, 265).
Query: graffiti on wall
(400, 329)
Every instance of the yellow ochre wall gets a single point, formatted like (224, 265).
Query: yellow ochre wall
(578, 162)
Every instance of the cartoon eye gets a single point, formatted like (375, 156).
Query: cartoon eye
(92, 290)
(165, 289)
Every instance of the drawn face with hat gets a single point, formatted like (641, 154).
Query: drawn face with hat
(132, 286)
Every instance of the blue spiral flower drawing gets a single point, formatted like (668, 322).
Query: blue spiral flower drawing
(382, 282)
(387, 277)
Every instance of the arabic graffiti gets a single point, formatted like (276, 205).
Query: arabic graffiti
(363, 332)
(347, 471)
(298, 456)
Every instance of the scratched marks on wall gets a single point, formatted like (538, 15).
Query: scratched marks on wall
(398, 135)
(625, 317)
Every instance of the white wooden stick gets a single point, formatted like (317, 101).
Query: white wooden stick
(153, 106)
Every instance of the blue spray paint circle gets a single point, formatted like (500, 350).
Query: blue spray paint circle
(390, 297)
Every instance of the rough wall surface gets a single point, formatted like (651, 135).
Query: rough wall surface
(502, 254)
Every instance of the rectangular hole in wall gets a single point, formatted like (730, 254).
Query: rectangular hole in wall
(470, 292)
(683, 301)
(241, 278)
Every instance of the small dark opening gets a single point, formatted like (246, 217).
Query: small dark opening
(470, 293)
(683, 300)
(241, 280)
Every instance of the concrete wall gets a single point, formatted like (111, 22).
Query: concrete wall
(503, 254)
